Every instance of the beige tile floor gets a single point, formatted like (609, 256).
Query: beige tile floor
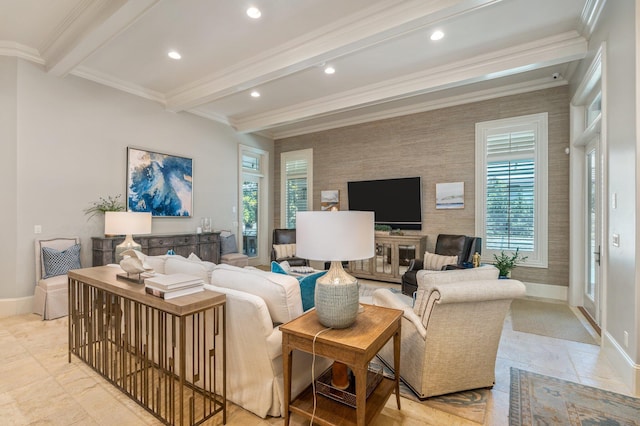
(38, 386)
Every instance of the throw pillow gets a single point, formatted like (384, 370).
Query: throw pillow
(228, 244)
(435, 262)
(194, 257)
(60, 262)
(308, 289)
(284, 250)
(280, 268)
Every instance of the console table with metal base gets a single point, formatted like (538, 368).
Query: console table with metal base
(354, 346)
(167, 355)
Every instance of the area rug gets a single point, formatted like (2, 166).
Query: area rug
(548, 319)
(536, 399)
(470, 405)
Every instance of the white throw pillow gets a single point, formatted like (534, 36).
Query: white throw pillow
(435, 262)
(175, 265)
(284, 250)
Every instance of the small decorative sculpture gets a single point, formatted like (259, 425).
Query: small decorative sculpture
(476, 260)
(133, 262)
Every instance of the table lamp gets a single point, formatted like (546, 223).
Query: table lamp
(127, 223)
(336, 236)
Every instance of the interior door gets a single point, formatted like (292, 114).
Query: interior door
(593, 229)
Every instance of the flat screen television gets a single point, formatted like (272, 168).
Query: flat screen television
(395, 202)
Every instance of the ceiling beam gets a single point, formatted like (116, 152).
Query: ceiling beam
(525, 57)
(380, 22)
(87, 28)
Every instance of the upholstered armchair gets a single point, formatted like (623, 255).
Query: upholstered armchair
(450, 334)
(54, 257)
(451, 252)
(284, 243)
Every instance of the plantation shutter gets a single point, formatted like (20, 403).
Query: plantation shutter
(510, 191)
(296, 189)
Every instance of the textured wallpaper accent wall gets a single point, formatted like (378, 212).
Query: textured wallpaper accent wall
(439, 146)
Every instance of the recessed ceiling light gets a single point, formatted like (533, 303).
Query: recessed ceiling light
(254, 12)
(437, 35)
(255, 94)
(329, 70)
(174, 55)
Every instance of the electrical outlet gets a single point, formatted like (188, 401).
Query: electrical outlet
(615, 240)
(37, 229)
(626, 339)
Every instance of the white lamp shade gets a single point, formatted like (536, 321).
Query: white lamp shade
(127, 223)
(335, 235)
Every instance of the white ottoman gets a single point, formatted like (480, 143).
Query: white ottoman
(235, 259)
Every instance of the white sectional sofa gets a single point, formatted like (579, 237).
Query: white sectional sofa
(257, 303)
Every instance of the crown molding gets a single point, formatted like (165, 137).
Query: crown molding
(541, 53)
(122, 85)
(11, 48)
(209, 115)
(467, 98)
(87, 28)
(373, 25)
(590, 15)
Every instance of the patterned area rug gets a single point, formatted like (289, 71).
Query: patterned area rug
(548, 319)
(542, 400)
(470, 405)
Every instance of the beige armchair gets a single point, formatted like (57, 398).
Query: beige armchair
(450, 335)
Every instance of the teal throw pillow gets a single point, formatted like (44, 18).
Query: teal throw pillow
(276, 268)
(60, 262)
(308, 289)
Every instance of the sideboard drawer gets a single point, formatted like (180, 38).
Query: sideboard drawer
(208, 238)
(185, 240)
(161, 242)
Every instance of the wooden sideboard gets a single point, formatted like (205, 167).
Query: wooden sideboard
(206, 246)
(391, 259)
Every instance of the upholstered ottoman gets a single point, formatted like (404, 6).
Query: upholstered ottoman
(235, 259)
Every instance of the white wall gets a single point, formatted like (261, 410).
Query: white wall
(617, 27)
(71, 139)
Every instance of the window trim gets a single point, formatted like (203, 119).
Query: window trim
(539, 123)
(303, 154)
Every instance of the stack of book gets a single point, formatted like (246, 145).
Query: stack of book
(173, 285)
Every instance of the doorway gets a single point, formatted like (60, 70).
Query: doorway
(592, 209)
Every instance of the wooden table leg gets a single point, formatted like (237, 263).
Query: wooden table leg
(361, 393)
(396, 363)
(287, 358)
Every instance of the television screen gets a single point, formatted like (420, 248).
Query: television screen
(395, 202)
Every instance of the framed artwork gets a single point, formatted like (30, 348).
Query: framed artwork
(330, 200)
(450, 195)
(159, 183)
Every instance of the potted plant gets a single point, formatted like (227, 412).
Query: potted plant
(505, 263)
(109, 204)
(382, 229)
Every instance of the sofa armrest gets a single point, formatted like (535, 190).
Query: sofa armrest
(384, 297)
(478, 291)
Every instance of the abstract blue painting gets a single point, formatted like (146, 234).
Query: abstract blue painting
(159, 183)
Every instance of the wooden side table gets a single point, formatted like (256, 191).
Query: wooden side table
(354, 346)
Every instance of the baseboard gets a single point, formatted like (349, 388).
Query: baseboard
(17, 306)
(628, 372)
(547, 291)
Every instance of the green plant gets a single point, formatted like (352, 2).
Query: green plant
(505, 263)
(109, 204)
(384, 228)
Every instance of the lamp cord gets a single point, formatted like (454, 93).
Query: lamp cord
(313, 372)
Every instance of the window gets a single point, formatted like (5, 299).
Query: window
(252, 215)
(511, 187)
(296, 185)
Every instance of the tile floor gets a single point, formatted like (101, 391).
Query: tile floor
(39, 386)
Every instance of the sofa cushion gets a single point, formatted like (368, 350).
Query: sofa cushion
(180, 265)
(435, 262)
(307, 283)
(427, 279)
(59, 262)
(280, 292)
(284, 251)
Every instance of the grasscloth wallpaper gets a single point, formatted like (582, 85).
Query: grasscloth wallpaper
(439, 146)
